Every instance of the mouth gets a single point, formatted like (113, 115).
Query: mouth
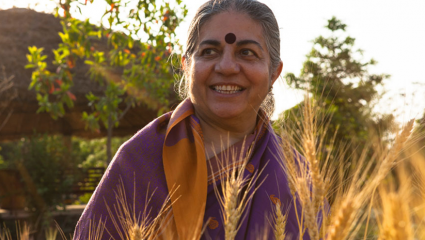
(227, 89)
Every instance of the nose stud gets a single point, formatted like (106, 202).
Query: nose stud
(230, 38)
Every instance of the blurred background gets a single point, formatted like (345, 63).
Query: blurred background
(79, 77)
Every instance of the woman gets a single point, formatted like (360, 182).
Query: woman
(231, 62)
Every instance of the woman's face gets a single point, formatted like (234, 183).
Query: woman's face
(230, 80)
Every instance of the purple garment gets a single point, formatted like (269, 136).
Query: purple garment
(139, 161)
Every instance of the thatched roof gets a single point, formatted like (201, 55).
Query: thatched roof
(20, 28)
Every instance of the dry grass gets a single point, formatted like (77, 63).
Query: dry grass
(136, 225)
(5, 233)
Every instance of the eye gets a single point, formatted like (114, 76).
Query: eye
(247, 52)
(208, 52)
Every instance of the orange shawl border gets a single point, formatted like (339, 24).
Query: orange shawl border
(186, 171)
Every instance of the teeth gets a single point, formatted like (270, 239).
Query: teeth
(227, 89)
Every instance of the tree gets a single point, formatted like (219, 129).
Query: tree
(339, 81)
(135, 67)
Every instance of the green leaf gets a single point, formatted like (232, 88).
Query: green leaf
(29, 65)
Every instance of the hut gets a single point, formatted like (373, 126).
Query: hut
(19, 29)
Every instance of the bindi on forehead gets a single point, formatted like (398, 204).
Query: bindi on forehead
(230, 38)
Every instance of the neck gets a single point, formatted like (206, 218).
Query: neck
(223, 134)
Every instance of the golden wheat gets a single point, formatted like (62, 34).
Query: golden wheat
(341, 224)
(234, 201)
(51, 233)
(136, 225)
(279, 223)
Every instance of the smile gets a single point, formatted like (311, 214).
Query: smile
(227, 89)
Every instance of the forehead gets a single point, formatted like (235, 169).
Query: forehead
(240, 24)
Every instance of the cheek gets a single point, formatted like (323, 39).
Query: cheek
(261, 76)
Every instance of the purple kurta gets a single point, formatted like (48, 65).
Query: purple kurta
(139, 163)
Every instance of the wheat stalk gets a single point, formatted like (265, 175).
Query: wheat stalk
(5, 233)
(136, 225)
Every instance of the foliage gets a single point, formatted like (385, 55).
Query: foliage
(48, 163)
(338, 79)
(45, 158)
(53, 168)
(92, 153)
(140, 37)
(85, 153)
(83, 199)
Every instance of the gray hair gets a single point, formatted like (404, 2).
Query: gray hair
(257, 11)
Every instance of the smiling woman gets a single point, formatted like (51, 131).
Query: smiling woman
(219, 138)
(229, 81)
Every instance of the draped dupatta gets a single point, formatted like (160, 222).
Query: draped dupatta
(186, 170)
(168, 156)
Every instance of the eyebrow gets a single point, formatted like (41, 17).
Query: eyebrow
(210, 42)
(239, 43)
(245, 42)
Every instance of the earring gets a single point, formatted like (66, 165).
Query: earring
(271, 88)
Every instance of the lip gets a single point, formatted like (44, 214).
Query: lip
(220, 94)
(212, 87)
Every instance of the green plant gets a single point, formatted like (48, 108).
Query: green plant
(93, 153)
(83, 199)
(338, 78)
(135, 67)
(50, 169)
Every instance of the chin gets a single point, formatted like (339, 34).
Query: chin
(228, 113)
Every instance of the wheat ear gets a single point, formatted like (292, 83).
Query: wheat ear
(288, 162)
(341, 225)
(309, 213)
(51, 233)
(396, 222)
(231, 208)
(280, 223)
(309, 146)
(24, 232)
(289, 165)
(233, 202)
(136, 225)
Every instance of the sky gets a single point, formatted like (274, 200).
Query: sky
(390, 31)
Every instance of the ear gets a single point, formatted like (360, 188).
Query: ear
(277, 72)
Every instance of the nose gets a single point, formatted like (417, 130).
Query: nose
(227, 64)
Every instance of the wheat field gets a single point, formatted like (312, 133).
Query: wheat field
(382, 197)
